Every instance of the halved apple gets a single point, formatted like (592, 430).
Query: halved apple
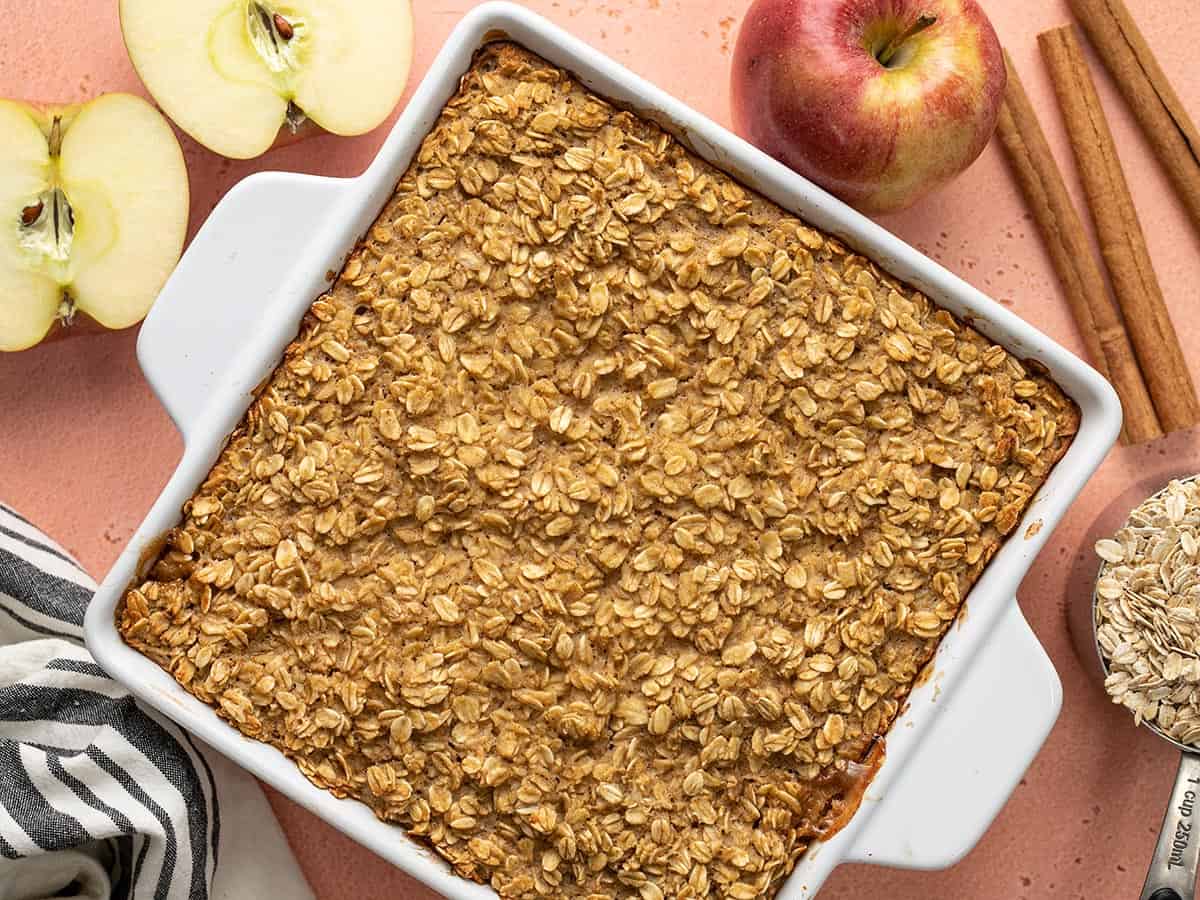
(232, 72)
(93, 213)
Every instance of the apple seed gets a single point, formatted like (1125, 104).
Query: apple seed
(283, 27)
(32, 213)
(66, 310)
(295, 117)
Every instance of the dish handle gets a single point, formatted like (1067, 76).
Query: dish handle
(225, 284)
(972, 757)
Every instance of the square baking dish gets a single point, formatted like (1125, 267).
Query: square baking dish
(270, 247)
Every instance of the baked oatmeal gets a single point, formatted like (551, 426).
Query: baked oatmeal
(601, 516)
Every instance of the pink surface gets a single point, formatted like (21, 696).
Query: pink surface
(85, 447)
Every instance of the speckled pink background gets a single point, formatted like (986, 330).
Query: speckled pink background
(85, 447)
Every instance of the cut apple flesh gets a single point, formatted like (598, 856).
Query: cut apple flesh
(29, 294)
(124, 172)
(231, 72)
(93, 214)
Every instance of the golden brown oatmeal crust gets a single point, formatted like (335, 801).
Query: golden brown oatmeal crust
(601, 515)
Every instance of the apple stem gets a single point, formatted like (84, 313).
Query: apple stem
(893, 46)
(55, 136)
(66, 309)
(294, 117)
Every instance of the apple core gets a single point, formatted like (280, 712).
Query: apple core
(47, 223)
(48, 226)
(278, 40)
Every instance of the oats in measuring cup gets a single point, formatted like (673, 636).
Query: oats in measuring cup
(1148, 612)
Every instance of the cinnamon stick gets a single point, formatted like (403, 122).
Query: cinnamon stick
(1122, 242)
(1066, 239)
(1135, 69)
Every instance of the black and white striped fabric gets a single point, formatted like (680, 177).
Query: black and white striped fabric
(100, 799)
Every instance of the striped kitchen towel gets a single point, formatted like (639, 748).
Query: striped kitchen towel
(99, 798)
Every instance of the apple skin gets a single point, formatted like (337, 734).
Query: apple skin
(808, 89)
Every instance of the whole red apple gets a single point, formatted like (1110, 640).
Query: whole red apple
(878, 101)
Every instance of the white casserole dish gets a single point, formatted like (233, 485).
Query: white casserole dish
(236, 299)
